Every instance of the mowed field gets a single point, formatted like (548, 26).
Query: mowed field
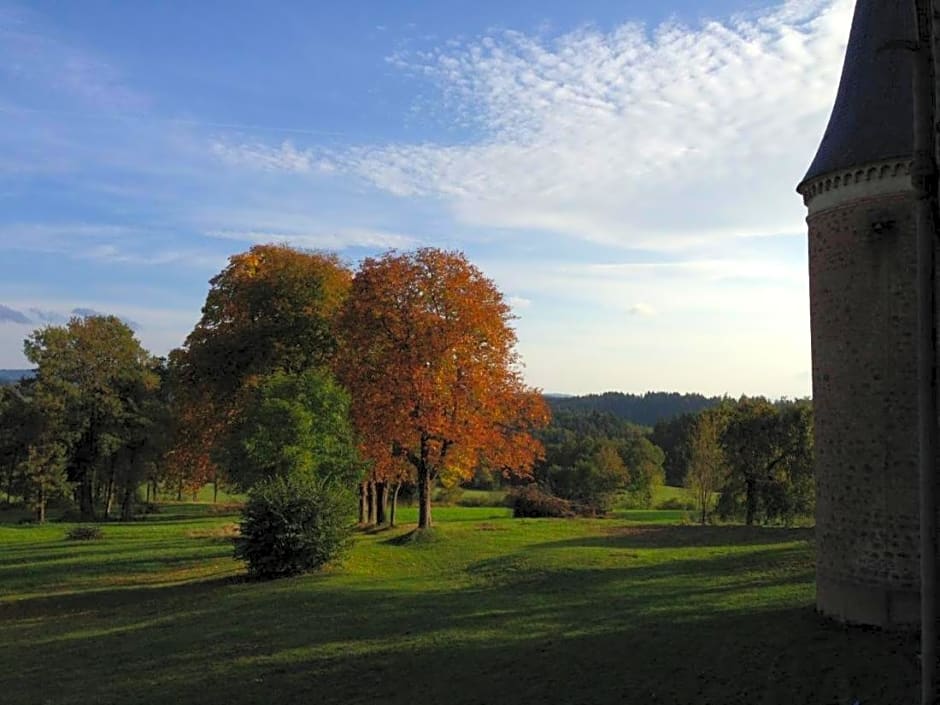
(633, 609)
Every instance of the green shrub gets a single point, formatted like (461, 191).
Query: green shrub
(84, 533)
(533, 501)
(292, 525)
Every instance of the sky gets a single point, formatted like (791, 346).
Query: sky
(623, 170)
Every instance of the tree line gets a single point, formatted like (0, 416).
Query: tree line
(403, 371)
(641, 409)
(750, 458)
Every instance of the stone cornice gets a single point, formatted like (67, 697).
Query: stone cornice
(868, 181)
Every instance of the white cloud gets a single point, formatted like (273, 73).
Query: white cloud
(658, 140)
(285, 157)
(519, 302)
(642, 310)
(338, 239)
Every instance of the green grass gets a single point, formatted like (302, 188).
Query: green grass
(627, 610)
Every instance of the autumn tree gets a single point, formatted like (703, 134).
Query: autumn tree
(429, 359)
(272, 308)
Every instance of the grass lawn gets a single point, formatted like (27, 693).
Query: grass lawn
(493, 610)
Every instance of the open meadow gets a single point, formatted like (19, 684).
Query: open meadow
(635, 609)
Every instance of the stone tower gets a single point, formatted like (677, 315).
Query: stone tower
(862, 296)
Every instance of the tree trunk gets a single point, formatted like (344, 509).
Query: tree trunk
(109, 499)
(215, 489)
(11, 478)
(424, 496)
(127, 504)
(381, 498)
(179, 490)
(370, 496)
(86, 499)
(362, 503)
(751, 501)
(147, 499)
(393, 504)
(42, 503)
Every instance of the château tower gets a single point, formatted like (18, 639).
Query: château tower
(862, 260)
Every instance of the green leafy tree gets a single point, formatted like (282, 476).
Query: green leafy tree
(643, 460)
(14, 419)
(294, 424)
(91, 366)
(706, 470)
(768, 448)
(592, 480)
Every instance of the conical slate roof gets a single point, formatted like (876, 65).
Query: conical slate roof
(873, 116)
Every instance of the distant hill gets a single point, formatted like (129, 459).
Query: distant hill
(642, 409)
(11, 376)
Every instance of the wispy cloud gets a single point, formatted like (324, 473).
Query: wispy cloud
(338, 239)
(284, 157)
(629, 137)
(31, 55)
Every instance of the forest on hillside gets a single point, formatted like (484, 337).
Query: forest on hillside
(641, 409)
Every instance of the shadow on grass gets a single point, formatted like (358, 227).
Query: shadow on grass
(667, 536)
(593, 636)
(731, 629)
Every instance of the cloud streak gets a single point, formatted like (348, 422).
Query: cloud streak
(679, 137)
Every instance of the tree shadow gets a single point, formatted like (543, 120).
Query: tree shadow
(678, 536)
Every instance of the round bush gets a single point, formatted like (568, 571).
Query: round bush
(292, 525)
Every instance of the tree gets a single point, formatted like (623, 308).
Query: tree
(592, 480)
(705, 458)
(672, 436)
(35, 444)
(643, 460)
(272, 308)
(13, 430)
(293, 425)
(93, 367)
(769, 450)
(429, 359)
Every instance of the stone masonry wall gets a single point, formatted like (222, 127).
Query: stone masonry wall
(862, 274)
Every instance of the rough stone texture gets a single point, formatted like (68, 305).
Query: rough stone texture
(862, 298)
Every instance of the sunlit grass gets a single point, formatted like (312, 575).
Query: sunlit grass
(636, 609)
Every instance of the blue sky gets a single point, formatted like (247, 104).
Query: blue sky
(623, 170)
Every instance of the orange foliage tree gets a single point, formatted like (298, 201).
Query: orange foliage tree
(429, 359)
(272, 308)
